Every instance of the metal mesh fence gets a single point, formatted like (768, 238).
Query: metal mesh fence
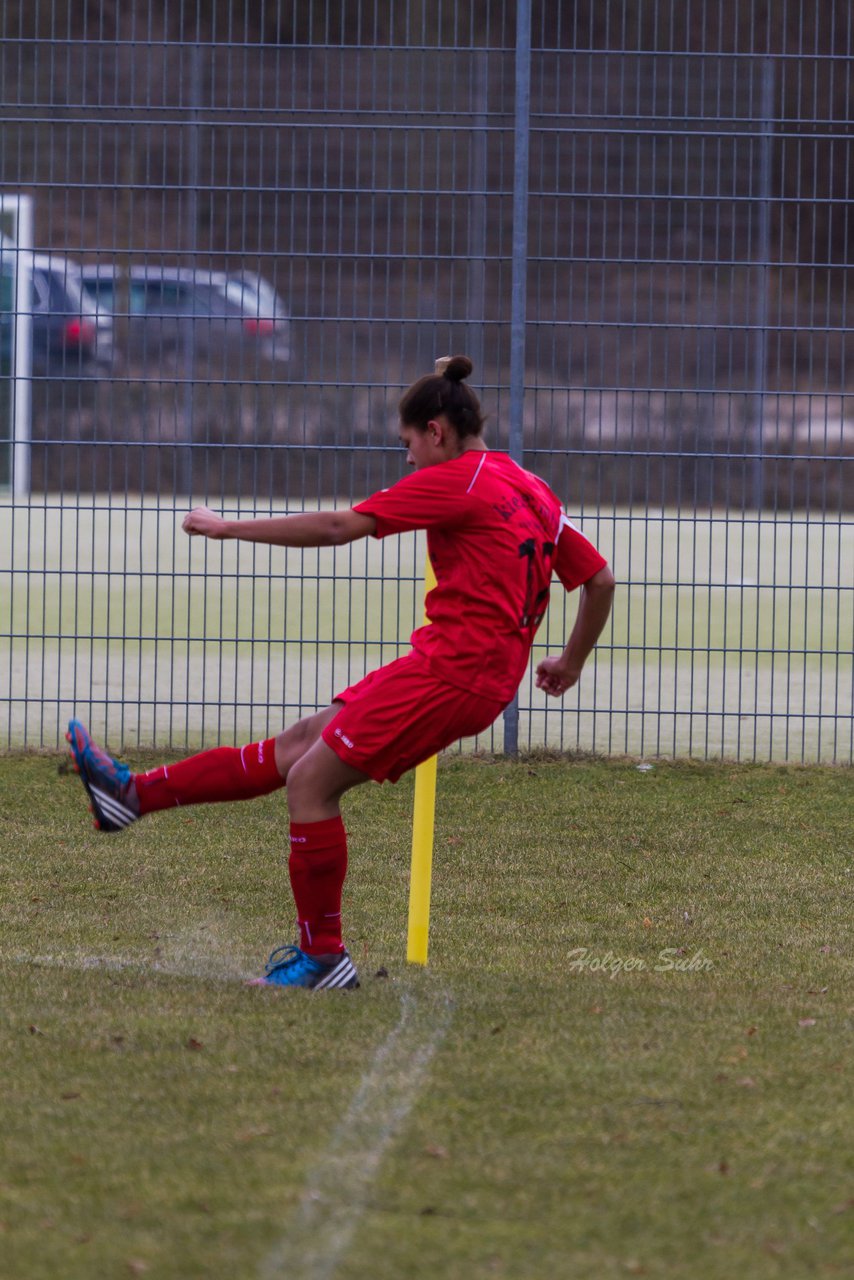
(254, 225)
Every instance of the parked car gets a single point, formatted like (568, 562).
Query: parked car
(68, 336)
(172, 314)
(262, 307)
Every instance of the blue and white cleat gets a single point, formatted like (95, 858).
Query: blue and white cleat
(106, 780)
(290, 967)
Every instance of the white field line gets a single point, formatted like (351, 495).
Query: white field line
(337, 1190)
(80, 963)
(336, 1193)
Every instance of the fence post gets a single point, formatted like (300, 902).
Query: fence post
(761, 261)
(518, 292)
(191, 238)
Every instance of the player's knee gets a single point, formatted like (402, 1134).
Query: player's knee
(292, 743)
(305, 777)
(316, 783)
(295, 777)
(307, 789)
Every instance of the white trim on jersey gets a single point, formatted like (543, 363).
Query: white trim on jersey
(566, 523)
(477, 471)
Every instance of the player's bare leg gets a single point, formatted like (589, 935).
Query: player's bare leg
(317, 780)
(292, 743)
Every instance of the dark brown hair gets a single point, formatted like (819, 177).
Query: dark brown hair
(447, 394)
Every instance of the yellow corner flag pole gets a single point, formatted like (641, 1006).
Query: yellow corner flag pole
(421, 871)
(423, 817)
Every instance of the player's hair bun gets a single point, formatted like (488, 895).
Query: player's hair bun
(444, 393)
(457, 368)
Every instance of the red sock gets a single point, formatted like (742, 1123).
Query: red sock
(318, 865)
(225, 773)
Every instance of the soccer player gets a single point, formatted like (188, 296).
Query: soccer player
(496, 535)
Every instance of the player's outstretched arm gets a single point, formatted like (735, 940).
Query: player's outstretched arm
(307, 529)
(556, 675)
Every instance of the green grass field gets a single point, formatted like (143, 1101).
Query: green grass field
(630, 1053)
(729, 638)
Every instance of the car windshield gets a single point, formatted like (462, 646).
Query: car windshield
(61, 289)
(102, 291)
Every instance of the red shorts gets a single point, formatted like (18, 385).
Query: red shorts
(402, 714)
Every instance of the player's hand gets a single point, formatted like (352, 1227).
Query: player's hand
(554, 677)
(201, 520)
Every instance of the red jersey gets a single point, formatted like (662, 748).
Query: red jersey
(495, 535)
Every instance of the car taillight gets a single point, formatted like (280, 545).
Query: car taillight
(78, 333)
(257, 325)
